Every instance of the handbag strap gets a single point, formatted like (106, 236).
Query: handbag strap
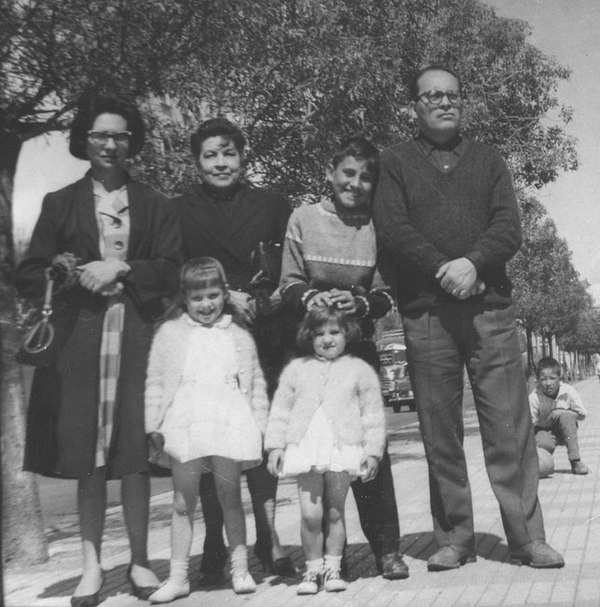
(47, 307)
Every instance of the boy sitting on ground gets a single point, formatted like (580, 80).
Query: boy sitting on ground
(556, 409)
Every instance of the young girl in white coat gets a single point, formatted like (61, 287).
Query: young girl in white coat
(206, 407)
(326, 426)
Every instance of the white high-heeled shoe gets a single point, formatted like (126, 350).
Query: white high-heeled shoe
(169, 591)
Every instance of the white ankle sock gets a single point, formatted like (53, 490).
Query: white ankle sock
(332, 563)
(239, 560)
(179, 571)
(315, 565)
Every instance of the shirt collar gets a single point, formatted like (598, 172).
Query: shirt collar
(453, 145)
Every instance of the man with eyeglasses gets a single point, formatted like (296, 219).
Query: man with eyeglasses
(447, 220)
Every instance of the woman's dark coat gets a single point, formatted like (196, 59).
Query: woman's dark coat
(63, 411)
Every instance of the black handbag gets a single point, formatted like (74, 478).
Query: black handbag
(38, 347)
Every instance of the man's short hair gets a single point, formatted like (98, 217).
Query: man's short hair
(413, 88)
(217, 127)
(548, 363)
(361, 149)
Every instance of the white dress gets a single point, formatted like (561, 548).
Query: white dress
(319, 451)
(209, 414)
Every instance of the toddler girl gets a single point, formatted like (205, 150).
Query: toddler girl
(326, 426)
(206, 407)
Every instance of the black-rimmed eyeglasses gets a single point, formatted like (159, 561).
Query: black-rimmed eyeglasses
(436, 97)
(102, 137)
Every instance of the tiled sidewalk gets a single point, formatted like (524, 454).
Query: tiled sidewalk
(571, 507)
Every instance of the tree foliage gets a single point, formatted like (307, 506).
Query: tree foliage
(585, 336)
(299, 75)
(549, 294)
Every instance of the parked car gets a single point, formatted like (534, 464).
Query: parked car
(393, 373)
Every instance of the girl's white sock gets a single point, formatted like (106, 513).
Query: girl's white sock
(179, 571)
(333, 563)
(239, 560)
(315, 565)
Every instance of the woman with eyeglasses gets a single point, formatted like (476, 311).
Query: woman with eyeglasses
(116, 243)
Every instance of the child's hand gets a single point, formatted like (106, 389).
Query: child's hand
(275, 463)
(369, 466)
(556, 414)
(343, 300)
(156, 443)
(322, 299)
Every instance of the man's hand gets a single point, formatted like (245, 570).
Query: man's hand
(275, 463)
(459, 278)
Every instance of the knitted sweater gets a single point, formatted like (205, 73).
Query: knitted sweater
(425, 217)
(541, 405)
(327, 247)
(166, 364)
(348, 390)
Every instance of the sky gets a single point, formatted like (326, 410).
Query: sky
(565, 29)
(568, 31)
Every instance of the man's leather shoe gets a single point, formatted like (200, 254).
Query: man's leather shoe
(578, 467)
(450, 557)
(537, 554)
(393, 566)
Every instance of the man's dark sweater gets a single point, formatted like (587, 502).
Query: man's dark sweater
(425, 217)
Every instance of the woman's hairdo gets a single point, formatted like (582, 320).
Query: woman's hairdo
(217, 127)
(318, 316)
(89, 107)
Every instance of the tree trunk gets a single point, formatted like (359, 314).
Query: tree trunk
(530, 357)
(23, 538)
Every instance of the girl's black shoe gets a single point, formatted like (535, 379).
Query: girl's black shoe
(141, 592)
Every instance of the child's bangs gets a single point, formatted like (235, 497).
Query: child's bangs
(202, 279)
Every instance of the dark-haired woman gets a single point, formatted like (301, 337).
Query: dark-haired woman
(225, 218)
(119, 242)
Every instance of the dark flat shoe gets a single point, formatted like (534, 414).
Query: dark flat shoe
(88, 600)
(141, 592)
(212, 578)
(284, 567)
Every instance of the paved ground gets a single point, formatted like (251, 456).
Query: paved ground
(571, 509)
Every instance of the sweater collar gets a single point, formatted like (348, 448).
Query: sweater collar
(223, 322)
(357, 216)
